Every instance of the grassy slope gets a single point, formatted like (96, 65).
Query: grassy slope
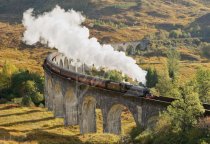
(139, 18)
(187, 69)
(24, 59)
(146, 17)
(36, 125)
(14, 51)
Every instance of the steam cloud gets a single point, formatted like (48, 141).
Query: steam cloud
(63, 30)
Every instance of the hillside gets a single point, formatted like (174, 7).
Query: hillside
(13, 50)
(117, 20)
(114, 21)
(202, 24)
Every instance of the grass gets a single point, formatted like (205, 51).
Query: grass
(36, 125)
(21, 125)
(24, 59)
(125, 5)
(187, 69)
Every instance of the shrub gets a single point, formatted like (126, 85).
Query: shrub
(41, 105)
(20, 78)
(144, 138)
(37, 98)
(16, 83)
(26, 101)
(29, 87)
(31, 90)
(17, 101)
(206, 51)
(176, 33)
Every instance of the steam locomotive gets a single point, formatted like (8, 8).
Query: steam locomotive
(124, 88)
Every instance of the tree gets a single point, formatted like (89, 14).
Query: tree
(185, 111)
(5, 76)
(114, 76)
(173, 62)
(168, 87)
(29, 87)
(178, 124)
(203, 84)
(37, 98)
(20, 78)
(151, 77)
(21, 83)
(31, 93)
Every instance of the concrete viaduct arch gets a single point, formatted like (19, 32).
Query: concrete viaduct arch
(76, 102)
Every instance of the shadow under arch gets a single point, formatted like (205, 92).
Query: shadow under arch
(114, 122)
(88, 115)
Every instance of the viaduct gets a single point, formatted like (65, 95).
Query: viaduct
(76, 101)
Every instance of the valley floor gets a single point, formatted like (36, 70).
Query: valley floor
(36, 125)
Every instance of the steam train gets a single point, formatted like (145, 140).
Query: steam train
(125, 88)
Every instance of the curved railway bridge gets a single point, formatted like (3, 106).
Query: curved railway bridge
(75, 100)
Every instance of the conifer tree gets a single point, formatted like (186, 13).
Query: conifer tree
(151, 77)
(173, 63)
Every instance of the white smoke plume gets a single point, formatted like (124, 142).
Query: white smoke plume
(63, 30)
